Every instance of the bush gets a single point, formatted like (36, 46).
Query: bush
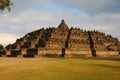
(1, 47)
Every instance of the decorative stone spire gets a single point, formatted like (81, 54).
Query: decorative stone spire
(63, 25)
(62, 21)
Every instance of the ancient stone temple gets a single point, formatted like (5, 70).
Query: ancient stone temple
(64, 42)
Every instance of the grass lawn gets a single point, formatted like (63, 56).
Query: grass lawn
(59, 69)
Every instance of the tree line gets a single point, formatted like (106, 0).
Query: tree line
(1, 47)
(5, 4)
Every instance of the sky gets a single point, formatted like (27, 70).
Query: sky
(30, 15)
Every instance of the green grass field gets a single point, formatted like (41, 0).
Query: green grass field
(59, 69)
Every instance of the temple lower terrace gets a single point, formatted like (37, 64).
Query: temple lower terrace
(63, 42)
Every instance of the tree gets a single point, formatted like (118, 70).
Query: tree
(1, 47)
(5, 4)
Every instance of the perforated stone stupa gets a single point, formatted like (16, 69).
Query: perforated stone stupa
(63, 41)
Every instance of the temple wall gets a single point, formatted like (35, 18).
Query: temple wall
(43, 52)
(74, 53)
(58, 52)
(32, 51)
(107, 53)
(16, 52)
(24, 51)
(8, 52)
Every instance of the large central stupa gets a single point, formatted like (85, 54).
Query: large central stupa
(63, 41)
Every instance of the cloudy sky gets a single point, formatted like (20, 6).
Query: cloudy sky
(29, 15)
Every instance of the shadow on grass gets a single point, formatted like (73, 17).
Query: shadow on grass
(28, 56)
(107, 66)
(101, 58)
(87, 58)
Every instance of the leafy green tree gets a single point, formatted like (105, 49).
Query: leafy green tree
(1, 47)
(5, 4)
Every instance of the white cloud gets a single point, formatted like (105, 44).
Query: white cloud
(93, 7)
(31, 20)
(6, 39)
(21, 21)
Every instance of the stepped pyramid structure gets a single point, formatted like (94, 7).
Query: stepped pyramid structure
(63, 41)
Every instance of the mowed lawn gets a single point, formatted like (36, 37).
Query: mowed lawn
(59, 69)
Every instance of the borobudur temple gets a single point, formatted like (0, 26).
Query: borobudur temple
(63, 42)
